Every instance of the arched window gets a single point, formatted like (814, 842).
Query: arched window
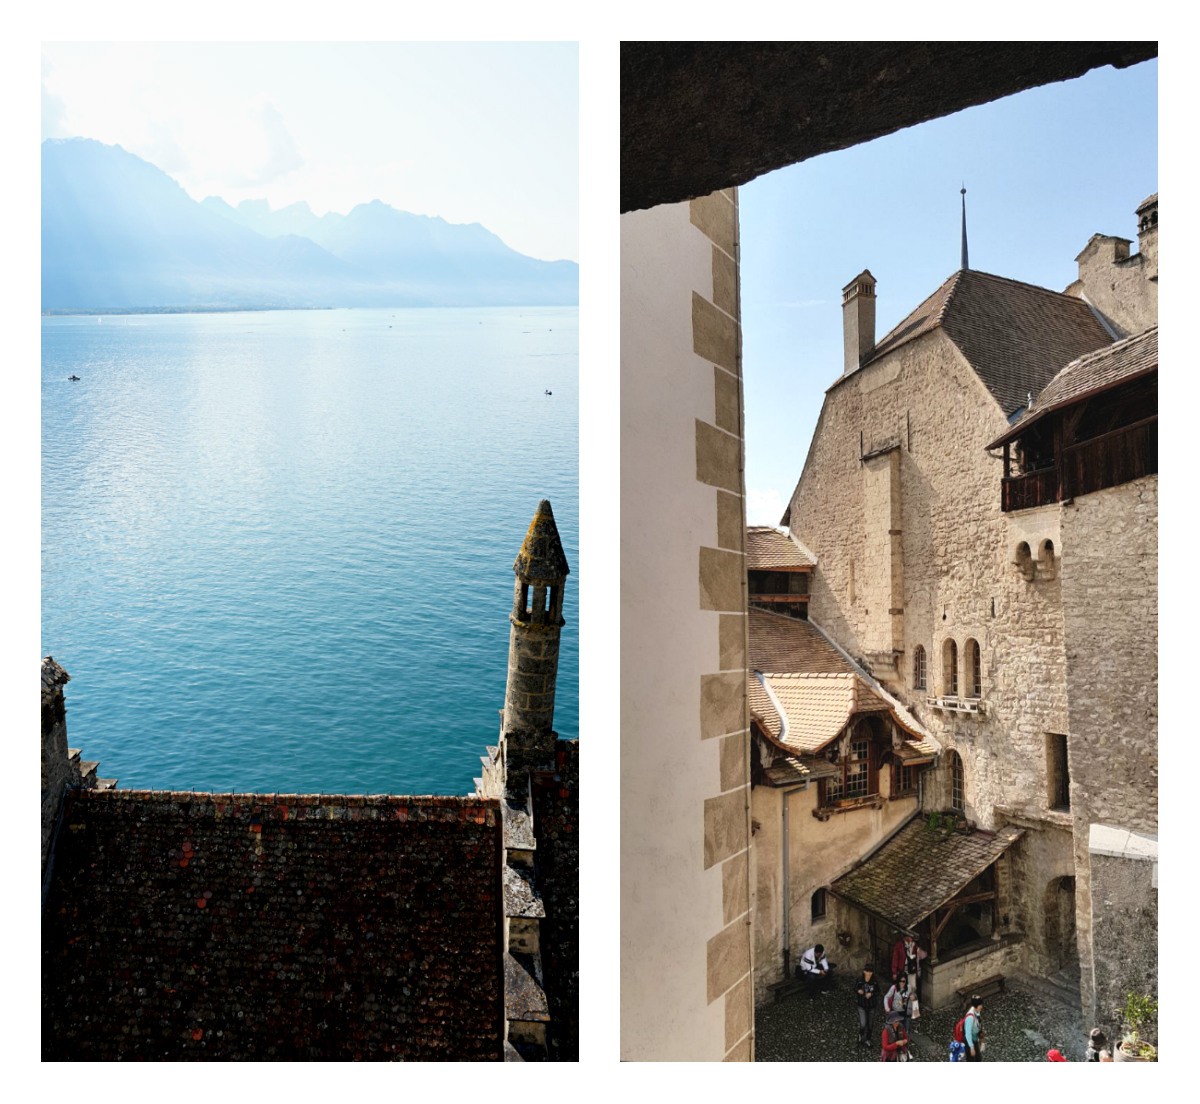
(974, 670)
(919, 668)
(957, 790)
(950, 668)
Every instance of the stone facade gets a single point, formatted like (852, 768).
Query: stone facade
(818, 851)
(1110, 595)
(1123, 288)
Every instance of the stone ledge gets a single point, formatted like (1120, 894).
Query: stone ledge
(1121, 843)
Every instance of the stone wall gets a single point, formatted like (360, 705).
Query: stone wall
(59, 770)
(556, 817)
(1039, 862)
(1110, 592)
(1118, 285)
(273, 927)
(1124, 936)
(818, 852)
(959, 581)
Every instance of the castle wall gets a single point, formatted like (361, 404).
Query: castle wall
(273, 927)
(686, 988)
(958, 579)
(1120, 286)
(1110, 592)
(556, 818)
(818, 852)
(58, 769)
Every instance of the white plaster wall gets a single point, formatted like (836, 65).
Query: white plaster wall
(670, 905)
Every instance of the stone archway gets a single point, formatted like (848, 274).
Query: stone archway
(1058, 911)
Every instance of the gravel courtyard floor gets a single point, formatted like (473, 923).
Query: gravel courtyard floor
(1020, 1025)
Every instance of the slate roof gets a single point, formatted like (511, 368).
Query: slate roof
(918, 870)
(803, 689)
(1016, 336)
(1089, 375)
(768, 548)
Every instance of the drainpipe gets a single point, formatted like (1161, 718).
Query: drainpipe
(787, 893)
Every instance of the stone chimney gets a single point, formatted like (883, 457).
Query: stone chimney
(858, 318)
(1147, 216)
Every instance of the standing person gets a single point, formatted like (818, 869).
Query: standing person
(866, 996)
(906, 958)
(894, 1039)
(1097, 1050)
(816, 970)
(897, 999)
(973, 1030)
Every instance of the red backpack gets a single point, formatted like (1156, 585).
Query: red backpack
(960, 1030)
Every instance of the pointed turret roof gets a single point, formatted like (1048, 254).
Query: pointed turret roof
(541, 559)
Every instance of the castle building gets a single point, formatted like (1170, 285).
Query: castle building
(698, 119)
(324, 926)
(979, 591)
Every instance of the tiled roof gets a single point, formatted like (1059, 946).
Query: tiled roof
(1099, 371)
(1015, 335)
(815, 685)
(919, 869)
(817, 707)
(768, 548)
(781, 643)
(53, 676)
(273, 927)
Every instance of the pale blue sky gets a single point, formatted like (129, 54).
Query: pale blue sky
(1044, 170)
(468, 131)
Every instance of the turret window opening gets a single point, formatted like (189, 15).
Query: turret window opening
(526, 605)
(950, 668)
(974, 670)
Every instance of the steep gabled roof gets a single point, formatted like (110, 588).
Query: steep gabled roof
(1090, 375)
(1015, 335)
(768, 548)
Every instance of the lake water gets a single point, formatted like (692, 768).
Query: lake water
(278, 546)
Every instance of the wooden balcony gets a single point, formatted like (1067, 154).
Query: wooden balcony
(1119, 456)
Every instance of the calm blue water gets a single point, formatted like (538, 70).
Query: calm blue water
(277, 547)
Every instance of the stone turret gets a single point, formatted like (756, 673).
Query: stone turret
(513, 772)
(541, 572)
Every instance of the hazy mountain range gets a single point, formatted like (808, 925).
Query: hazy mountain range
(119, 234)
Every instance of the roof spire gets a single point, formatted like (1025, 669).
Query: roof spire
(964, 263)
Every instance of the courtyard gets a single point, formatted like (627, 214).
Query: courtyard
(1020, 1025)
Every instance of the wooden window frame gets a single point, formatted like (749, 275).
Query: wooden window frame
(920, 669)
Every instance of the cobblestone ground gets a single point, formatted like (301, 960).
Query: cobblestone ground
(1020, 1025)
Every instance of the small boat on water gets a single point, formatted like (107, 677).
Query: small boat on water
(73, 379)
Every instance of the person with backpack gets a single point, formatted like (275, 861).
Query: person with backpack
(894, 1039)
(866, 996)
(897, 999)
(973, 1030)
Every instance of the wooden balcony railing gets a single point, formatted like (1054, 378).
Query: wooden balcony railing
(1119, 456)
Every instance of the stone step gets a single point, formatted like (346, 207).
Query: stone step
(511, 1054)
(87, 774)
(524, 995)
(106, 783)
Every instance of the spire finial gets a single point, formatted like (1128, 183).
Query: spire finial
(964, 263)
